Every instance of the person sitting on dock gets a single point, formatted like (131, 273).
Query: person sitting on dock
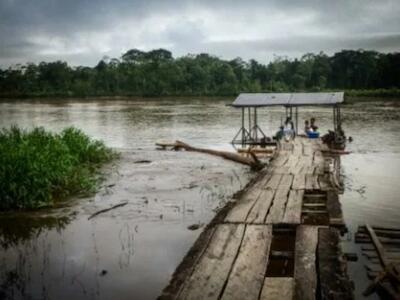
(312, 124)
(307, 127)
(280, 133)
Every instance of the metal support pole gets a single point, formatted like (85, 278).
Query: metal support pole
(249, 111)
(243, 128)
(334, 119)
(297, 120)
(255, 123)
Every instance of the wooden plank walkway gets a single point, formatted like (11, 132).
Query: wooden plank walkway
(266, 245)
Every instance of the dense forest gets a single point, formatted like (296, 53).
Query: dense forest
(158, 73)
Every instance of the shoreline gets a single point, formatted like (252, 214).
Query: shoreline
(348, 99)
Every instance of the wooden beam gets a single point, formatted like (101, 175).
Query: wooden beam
(248, 273)
(299, 182)
(212, 270)
(378, 246)
(305, 273)
(242, 207)
(293, 207)
(333, 280)
(278, 288)
(259, 211)
(277, 210)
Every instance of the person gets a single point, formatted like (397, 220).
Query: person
(289, 124)
(279, 135)
(312, 124)
(307, 127)
(289, 128)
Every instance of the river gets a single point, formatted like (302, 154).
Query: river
(131, 252)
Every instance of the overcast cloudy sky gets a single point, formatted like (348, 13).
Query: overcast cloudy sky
(83, 31)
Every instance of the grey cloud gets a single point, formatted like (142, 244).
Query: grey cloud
(82, 31)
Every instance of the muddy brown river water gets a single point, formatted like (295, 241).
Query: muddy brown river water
(131, 252)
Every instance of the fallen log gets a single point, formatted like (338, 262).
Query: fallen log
(107, 209)
(251, 161)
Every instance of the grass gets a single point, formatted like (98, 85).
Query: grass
(38, 167)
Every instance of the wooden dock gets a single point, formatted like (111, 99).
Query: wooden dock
(278, 240)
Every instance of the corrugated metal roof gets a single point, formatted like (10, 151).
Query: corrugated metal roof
(270, 99)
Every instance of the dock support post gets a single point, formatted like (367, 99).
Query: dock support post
(243, 128)
(255, 124)
(250, 127)
(297, 120)
(334, 119)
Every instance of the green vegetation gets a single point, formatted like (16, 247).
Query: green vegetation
(38, 167)
(157, 73)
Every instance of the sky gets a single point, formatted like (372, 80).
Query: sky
(82, 32)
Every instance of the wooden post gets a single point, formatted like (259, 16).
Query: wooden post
(297, 120)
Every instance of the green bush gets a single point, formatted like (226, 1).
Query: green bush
(39, 167)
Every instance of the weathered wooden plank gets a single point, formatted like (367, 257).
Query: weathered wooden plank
(277, 210)
(298, 167)
(281, 159)
(293, 207)
(259, 211)
(242, 207)
(309, 181)
(324, 182)
(385, 232)
(307, 168)
(264, 180)
(278, 288)
(314, 205)
(312, 182)
(333, 279)
(305, 274)
(247, 276)
(315, 182)
(212, 270)
(299, 182)
(297, 148)
(333, 205)
(379, 248)
(274, 181)
(291, 163)
(307, 149)
(281, 170)
(286, 181)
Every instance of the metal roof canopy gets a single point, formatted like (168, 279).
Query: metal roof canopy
(287, 99)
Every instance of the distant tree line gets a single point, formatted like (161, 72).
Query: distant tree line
(158, 73)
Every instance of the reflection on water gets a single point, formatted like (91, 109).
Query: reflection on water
(130, 252)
